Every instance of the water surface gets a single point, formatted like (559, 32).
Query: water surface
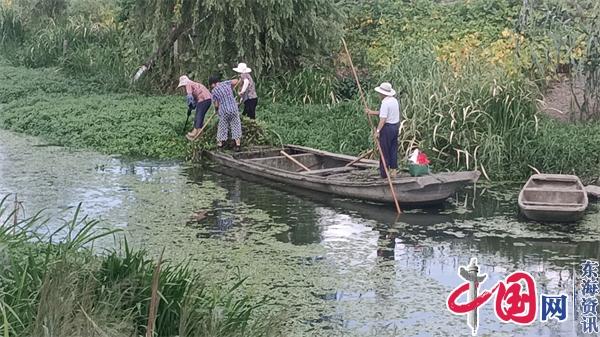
(330, 267)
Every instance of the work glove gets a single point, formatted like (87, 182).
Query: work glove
(191, 102)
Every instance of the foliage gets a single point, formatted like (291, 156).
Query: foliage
(566, 148)
(339, 128)
(85, 41)
(395, 22)
(29, 84)
(11, 26)
(254, 133)
(490, 124)
(55, 286)
(70, 113)
(147, 127)
(569, 34)
(307, 86)
(217, 34)
(470, 72)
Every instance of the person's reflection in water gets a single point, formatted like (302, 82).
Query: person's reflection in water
(225, 214)
(224, 219)
(235, 193)
(386, 245)
(385, 269)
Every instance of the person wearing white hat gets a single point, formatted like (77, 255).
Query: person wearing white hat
(248, 91)
(388, 127)
(198, 98)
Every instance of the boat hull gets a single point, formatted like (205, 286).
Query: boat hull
(425, 190)
(553, 215)
(553, 198)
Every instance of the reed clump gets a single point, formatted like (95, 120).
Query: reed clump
(55, 285)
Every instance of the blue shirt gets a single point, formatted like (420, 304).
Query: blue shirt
(223, 93)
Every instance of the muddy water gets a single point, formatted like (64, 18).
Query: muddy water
(329, 267)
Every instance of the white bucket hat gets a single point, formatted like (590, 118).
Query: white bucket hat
(242, 68)
(183, 80)
(386, 89)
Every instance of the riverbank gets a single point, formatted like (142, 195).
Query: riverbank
(75, 113)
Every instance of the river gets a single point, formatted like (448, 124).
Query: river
(328, 267)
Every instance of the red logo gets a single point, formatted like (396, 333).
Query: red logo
(516, 300)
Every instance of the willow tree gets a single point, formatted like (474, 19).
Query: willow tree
(268, 34)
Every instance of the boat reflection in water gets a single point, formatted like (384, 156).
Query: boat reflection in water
(381, 260)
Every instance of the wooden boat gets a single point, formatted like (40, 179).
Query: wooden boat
(553, 198)
(340, 175)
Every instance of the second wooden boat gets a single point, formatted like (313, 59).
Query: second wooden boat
(553, 198)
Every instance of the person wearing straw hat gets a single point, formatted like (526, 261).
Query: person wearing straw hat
(248, 90)
(388, 127)
(229, 113)
(198, 98)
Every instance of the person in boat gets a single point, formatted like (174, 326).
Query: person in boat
(248, 90)
(388, 128)
(229, 115)
(198, 98)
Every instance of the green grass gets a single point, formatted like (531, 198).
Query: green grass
(134, 126)
(54, 285)
(567, 148)
(480, 119)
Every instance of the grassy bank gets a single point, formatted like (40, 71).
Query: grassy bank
(471, 74)
(491, 124)
(54, 285)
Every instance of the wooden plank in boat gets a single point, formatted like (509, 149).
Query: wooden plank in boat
(546, 189)
(556, 178)
(557, 204)
(301, 155)
(328, 171)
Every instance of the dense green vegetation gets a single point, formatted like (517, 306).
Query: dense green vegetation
(54, 285)
(472, 74)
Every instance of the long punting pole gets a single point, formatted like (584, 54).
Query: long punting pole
(364, 101)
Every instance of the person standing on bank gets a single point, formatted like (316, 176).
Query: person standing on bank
(248, 90)
(388, 128)
(229, 114)
(199, 98)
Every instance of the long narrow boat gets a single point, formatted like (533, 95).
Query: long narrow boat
(340, 175)
(553, 198)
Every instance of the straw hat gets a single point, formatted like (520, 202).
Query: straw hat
(386, 89)
(183, 81)
(242, 68)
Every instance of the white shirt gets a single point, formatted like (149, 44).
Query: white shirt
(390, 109)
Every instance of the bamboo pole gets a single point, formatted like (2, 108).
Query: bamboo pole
(365, 155)
(210, 118)
(295, 161)
(364, 101)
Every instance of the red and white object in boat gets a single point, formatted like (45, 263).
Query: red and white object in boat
(418, 158)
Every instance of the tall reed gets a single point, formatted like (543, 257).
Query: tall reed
(53, 285)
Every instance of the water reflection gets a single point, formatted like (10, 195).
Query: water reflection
(372, 272)
(375, 252)
(386, 246)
